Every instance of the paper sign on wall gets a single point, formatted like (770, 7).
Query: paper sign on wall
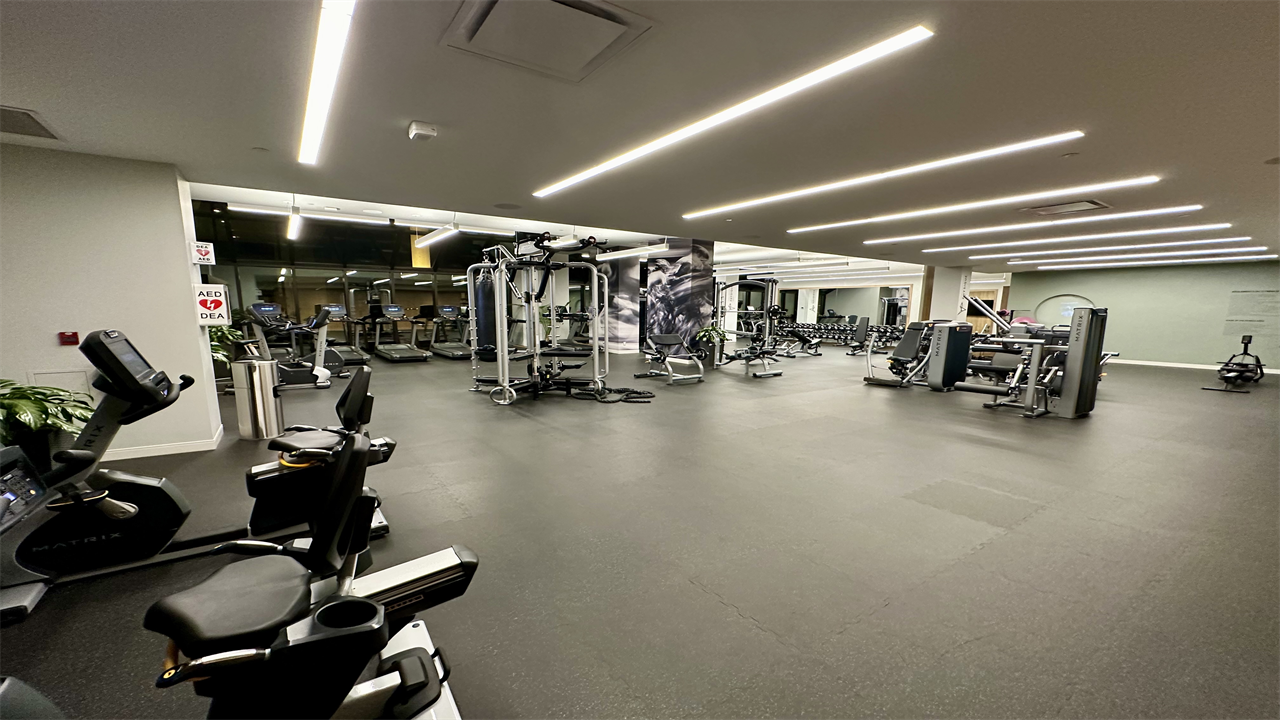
(202, 253)
(1253, 312)
(212, 305)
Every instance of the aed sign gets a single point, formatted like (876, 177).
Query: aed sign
(212, 305)
(202, 253)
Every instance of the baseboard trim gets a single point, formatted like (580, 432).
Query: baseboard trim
(1190, 366)
(165, 449)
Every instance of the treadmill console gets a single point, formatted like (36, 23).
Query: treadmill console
(337, 311)
(19, 484)
(450, 312)
(393, 312)
(271, 311)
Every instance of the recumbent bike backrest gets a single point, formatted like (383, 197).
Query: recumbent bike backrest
(355, 407)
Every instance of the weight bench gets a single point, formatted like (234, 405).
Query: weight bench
(662, 349)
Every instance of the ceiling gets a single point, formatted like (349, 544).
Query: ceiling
(1187, 91)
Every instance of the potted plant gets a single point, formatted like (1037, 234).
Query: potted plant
(41, 419)
(222, 339)
(709, 340)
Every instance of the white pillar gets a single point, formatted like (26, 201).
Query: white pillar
(950, 287)
(730, 304)
(807, 305)
(562, 296)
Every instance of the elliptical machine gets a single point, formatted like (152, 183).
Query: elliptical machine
(1243, 367)
(74, 523)
(296, 372)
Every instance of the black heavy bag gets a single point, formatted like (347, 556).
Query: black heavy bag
(486, 320)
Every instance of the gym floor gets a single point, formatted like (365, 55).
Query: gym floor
(796, 546)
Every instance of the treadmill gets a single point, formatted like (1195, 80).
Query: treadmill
(450, 315)
(347, 349)
(394, 351)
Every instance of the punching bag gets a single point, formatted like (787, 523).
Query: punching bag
(486, 319)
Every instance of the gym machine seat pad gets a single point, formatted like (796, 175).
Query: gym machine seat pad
(307, 440)
(242, 605)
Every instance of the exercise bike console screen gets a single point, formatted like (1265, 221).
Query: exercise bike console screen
(121, 363)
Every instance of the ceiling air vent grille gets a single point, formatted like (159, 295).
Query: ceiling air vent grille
(17, 121)
(1067, 208)
(565, 39)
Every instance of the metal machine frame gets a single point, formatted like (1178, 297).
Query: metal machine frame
(760, 350)
(530, 282)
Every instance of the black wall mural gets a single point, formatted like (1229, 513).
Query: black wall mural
(681, 288)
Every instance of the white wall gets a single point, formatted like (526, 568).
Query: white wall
(88, 243)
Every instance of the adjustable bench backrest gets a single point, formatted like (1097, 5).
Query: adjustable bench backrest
(860, 332)
(669, 343)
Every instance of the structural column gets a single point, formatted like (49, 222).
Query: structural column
(807, 305)
(947, 297)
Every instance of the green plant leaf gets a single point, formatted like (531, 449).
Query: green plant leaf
(28, 412)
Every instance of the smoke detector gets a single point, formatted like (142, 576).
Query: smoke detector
(419, 130)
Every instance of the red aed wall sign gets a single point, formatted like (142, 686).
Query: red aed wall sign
(212, 306)
(202, 253)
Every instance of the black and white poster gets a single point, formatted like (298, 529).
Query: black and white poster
(624, 304)
(681, 289)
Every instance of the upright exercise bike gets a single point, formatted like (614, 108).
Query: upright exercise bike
(78, 521)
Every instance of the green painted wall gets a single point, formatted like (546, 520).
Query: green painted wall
(1167, 314)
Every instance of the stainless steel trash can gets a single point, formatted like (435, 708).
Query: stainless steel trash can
(258, 409)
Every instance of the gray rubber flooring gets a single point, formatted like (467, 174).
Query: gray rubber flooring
(796, 546)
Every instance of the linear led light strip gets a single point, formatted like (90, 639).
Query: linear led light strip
(1041, 224)
(862, 57)
(876, 177)
(1073, 238)
(436, 235)
(331, 39)
(1240, 258)
(633, 252)
(344, 218)
(1011, 200)
(315, 216)
(1143, 246)
(789, 263)
(848, 277)
(1131, 256)
(820, 270)
(811, 273)
(461, 228)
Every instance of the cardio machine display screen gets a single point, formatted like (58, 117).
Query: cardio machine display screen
(132, 359)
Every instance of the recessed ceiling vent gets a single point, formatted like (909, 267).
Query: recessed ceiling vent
(17, 121)
(565, 39)
(1067, 208)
